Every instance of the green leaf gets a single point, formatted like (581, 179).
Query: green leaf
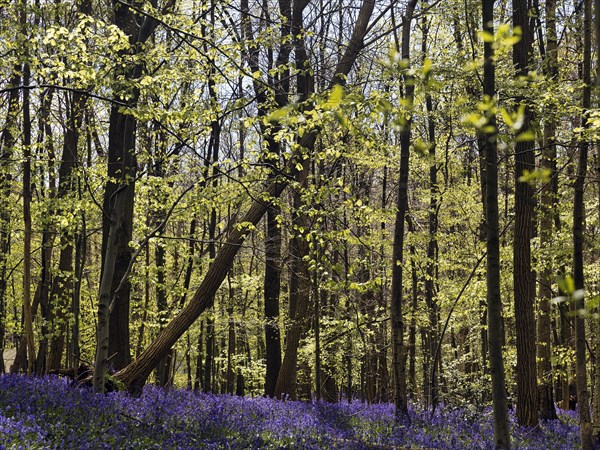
(279, 114)
(566, 284)
(335, 97)
(487, 36)
(525, 136)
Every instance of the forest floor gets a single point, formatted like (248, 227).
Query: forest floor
(41, 413)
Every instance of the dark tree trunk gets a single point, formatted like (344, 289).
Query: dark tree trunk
(7, 143)
(122, 171)
(299, 301)
(412, 329)
(524, 287)
(27, 310)
(585, 423)
(62, 287)
(397, 319)
(207, 382)
(199, 376)
(158, 215)
(45, 143)
(122, 166)
(272, 284)
(548, 204)
(596, 382)
(432, 245)
(272, 279)
(494, 302)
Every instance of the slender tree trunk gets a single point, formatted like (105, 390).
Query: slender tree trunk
(142, 327)
(548, 203)
(102, 351)
(122, 171)
(231, 338)
(27, 312)
(432, 245)
(45, 143)
(7, 143)
(299, 300)
(199, 377)
(585, 424)
(596, 397)
(272, 284)
(494, 302)
(207, 382)
(397, 319)
(80, 257)
(62, 288)
(412, 329)
(158, 214)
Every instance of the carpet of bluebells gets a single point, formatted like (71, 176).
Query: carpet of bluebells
(38, 413)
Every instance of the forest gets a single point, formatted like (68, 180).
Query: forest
(376, 221)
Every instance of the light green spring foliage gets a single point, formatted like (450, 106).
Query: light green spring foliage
(351, 219)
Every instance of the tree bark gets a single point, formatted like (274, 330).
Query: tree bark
(397, 319)
(102, 348)
(494, 302)
(432, 245)
(524, 287)
(299, 297)
(585, 423)
(547, 409)
(7, 143)
(27, 311)
(596, 396)
(62, 287)
(122, 168)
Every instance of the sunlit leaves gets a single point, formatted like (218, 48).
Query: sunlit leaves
(541, 175)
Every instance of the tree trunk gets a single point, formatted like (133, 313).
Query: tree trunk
(412, 329)
(207, 381)
(548, 202)
(7, 143)
(102, 351)
(397, 320)
(158, 215)
(272, 284)
(272, 279)
(585, 425)
(299, 299)
(494, 302)
(122, 168)
(596, 396)
(62, 287)
(524, 287)
(27, 312)
(432, 245)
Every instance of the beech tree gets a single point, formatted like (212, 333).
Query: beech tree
(494, 302)
(585, 420)
(524, 288)
(398, 351)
